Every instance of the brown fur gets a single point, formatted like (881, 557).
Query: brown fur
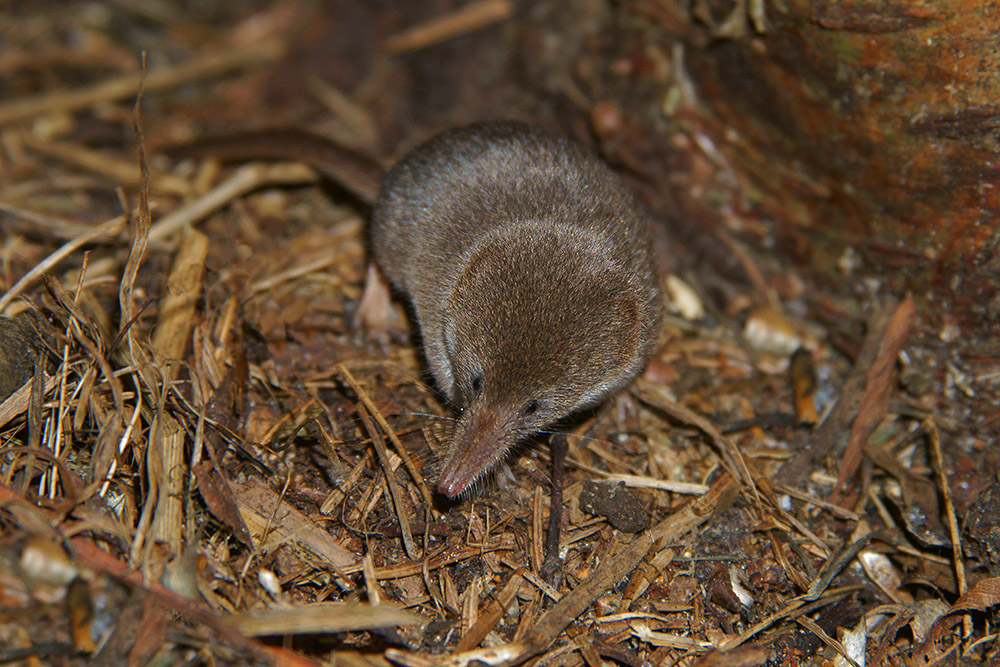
(528, 264)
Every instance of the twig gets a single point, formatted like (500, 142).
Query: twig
(110, 227)
(446, 557)
(489, 619)
(642, 482)
(160, 79)
(115, 170)
(380, 419)
(763, 291)
(813, 446)
(394, 489)
(246, 179)
(32, 223)
(472, 17)
(608, 574)
(821, 634)
(269, 283)
(653, 395)
(958, 562)
(551, 566)
(17, 403)
(797, 605)
(875, 399)
(177, 306)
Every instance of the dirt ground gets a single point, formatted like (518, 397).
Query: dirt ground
(204, 461)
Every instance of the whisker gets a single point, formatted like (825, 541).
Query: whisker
(430, 384)
(603, 441)
(419, 376)
(424, 414)
(355, 421)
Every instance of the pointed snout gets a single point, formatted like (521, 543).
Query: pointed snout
(481, 441)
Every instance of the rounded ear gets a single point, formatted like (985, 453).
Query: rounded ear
(448, 337)
(626, 324)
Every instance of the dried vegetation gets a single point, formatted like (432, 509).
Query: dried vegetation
(203, 463)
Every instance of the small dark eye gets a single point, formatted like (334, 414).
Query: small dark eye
(477, 385)
(530, 409)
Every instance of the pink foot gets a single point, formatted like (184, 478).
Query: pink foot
(375, 314)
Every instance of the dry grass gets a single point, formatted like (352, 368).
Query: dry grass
(203, 462)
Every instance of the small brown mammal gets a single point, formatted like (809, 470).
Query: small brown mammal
(530, 271)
